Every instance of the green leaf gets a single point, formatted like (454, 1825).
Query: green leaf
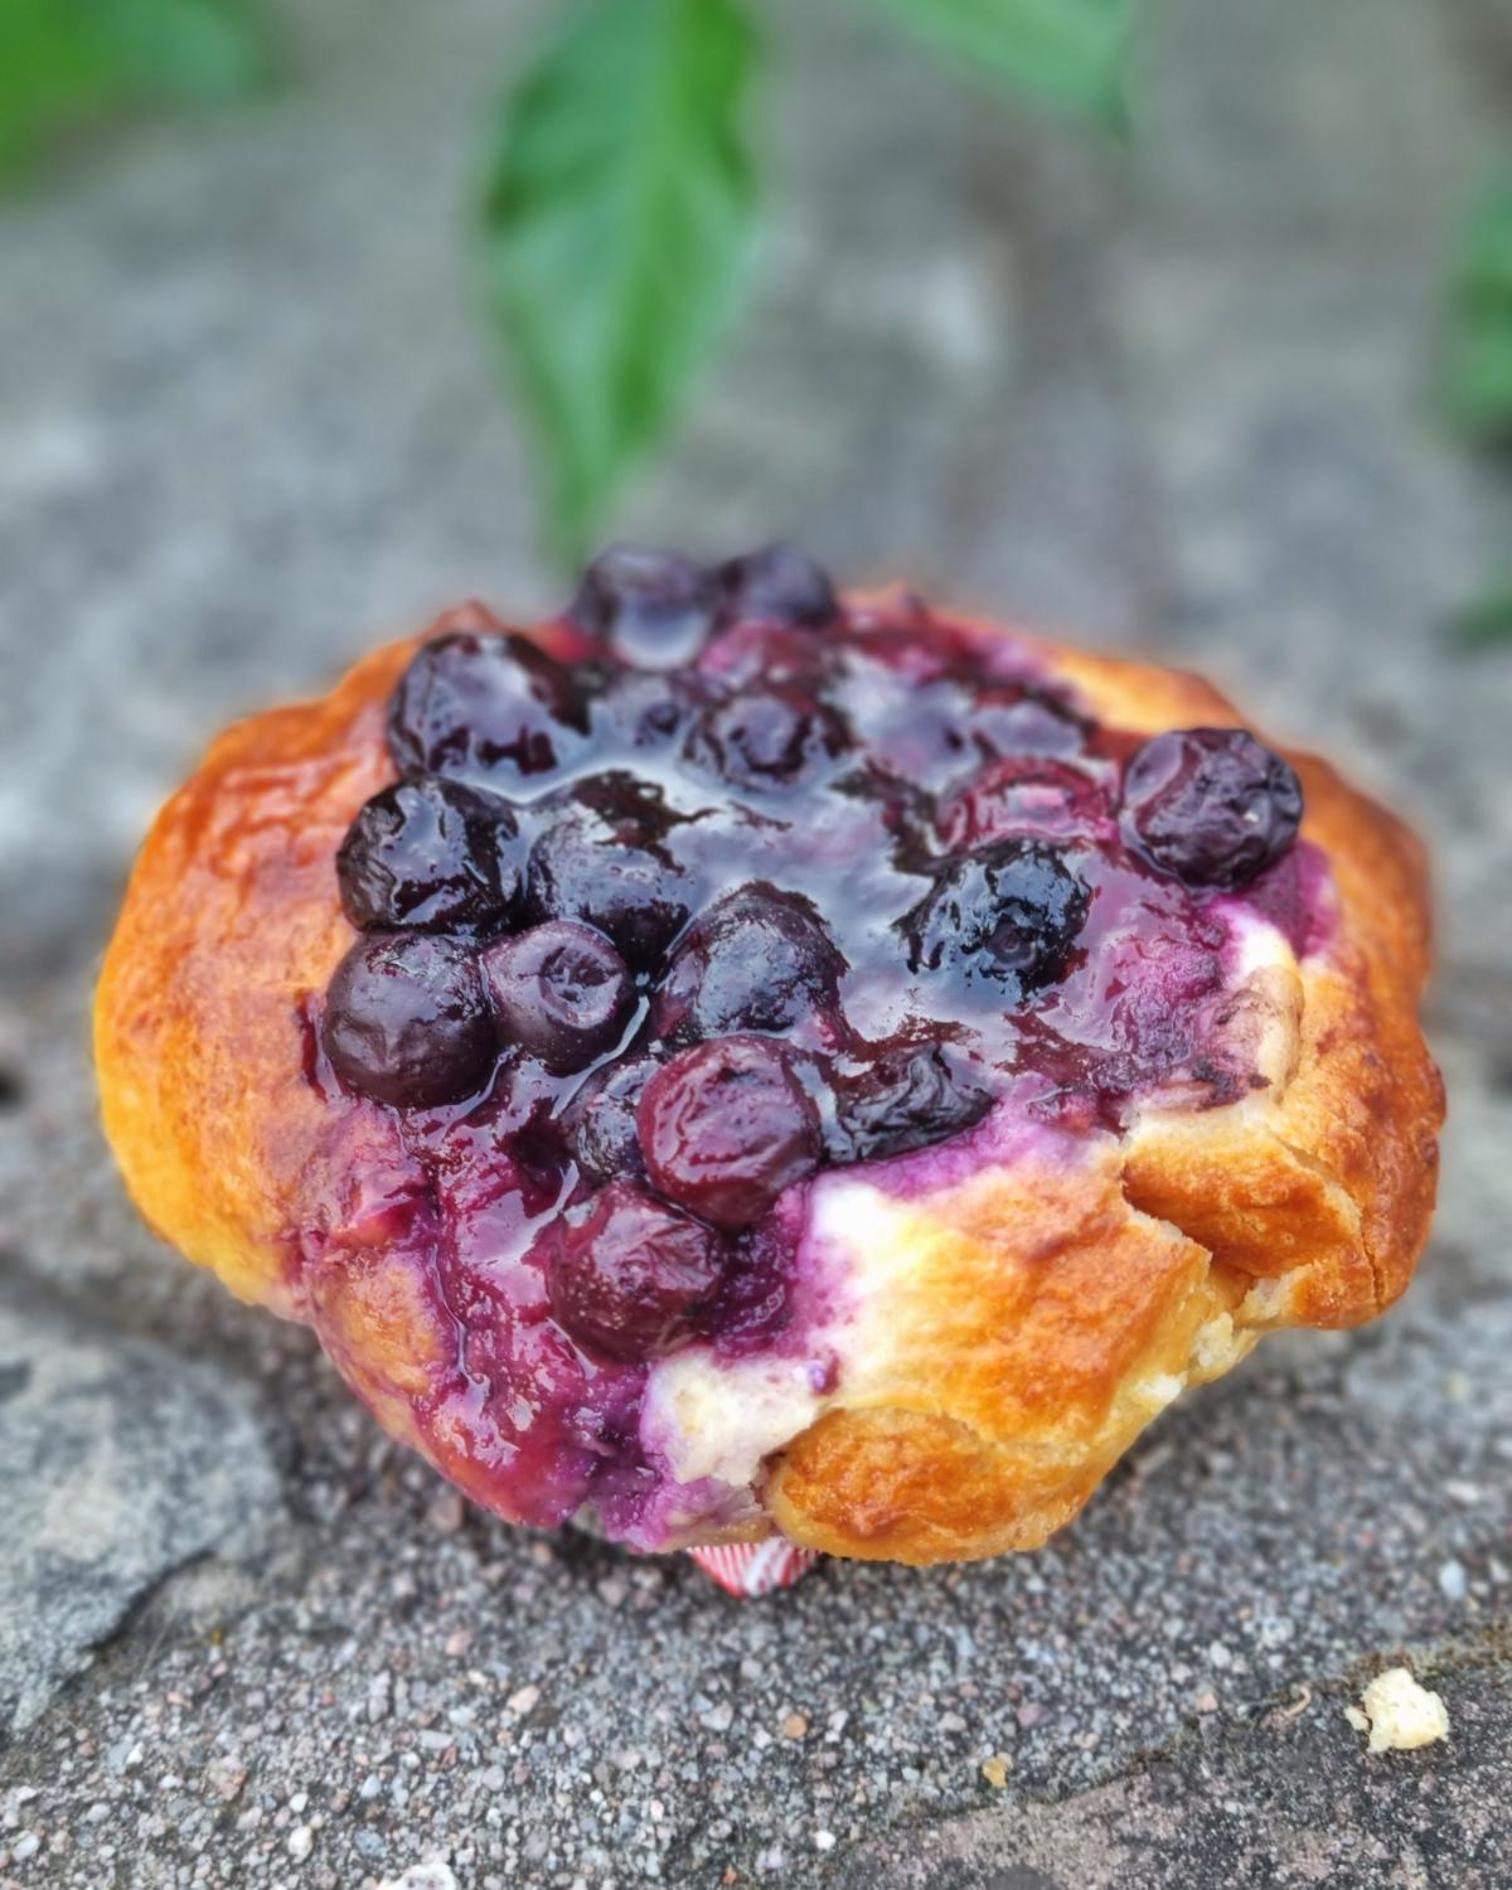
(65, 62)
(1487, 623)
(619, 212)
(52, 68)
(1069, 52)
(196, 51)
(1478, 348)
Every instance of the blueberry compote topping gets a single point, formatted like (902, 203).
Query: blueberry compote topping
(758, 960)
(726, 1126)
(561, 992)
(710, 884)
(1211, 805)
(430, 854)
(407, 1021)
(602, 858)
(1009, 913)
(905, 1099)
(652, 608)
(778, 584)
(634, 1276)
(490, 709)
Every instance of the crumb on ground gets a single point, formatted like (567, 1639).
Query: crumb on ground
(1399, 1714)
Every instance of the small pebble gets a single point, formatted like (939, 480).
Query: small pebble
(447, 1511)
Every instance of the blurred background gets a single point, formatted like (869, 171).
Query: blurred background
(1202, 349)
(261, 403)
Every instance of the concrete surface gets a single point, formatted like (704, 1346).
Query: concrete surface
(1178, 399)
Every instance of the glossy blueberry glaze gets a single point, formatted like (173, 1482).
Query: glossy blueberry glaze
(738, 886)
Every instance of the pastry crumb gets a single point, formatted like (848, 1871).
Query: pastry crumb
(1399, 1714)
(995, 1771)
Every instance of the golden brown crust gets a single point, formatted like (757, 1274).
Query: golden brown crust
(1043, 1328)
(230, 921)
(1037, 1316)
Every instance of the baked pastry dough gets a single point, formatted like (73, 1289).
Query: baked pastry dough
(809, 1065)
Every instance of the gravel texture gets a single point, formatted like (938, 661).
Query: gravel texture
(122, 1461)
(1176, 398)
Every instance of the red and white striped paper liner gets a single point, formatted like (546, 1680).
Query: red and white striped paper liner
(749, 1569)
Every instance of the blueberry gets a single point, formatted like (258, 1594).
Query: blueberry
(407, 1022)
(778, 584)
(759, 960)
(1010, 912)
(1026, 795)
(760, 652)
(599, 1123)
(909, 1098)
(489, 708)
(602, 859)
(561, 992)
(915, 730)
(1210, 806)
(643, 710)
(635, 1276)
(430, 854)
(654, 609)
(772, 735)
(725, 1127)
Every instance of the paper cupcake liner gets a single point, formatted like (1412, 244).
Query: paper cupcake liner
(749, 1569)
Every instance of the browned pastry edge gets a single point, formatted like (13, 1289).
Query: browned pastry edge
(1038, 1316)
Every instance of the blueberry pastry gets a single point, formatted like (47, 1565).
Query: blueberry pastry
(734, 1059)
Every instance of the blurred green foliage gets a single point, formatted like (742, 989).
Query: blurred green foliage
(67, 63)
(619, 215)
(1487, 623)
(1478, 355)
(197, 51)
(621, 196)
(621, 185)
(1068, 52)
(1478, 374)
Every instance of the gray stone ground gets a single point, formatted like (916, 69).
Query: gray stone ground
(1179, 400)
